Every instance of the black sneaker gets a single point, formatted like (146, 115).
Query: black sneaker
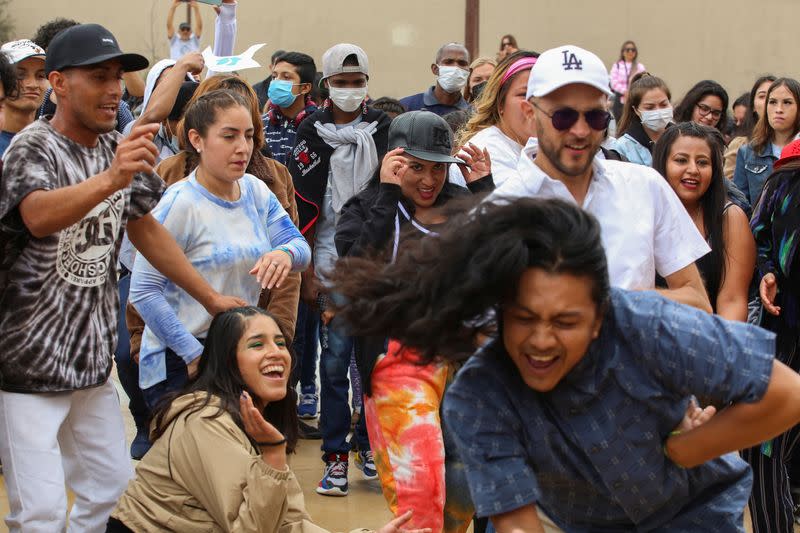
(307, 431)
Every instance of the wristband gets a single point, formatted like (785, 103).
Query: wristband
(666, 454)
(287, 250)
(278, 443)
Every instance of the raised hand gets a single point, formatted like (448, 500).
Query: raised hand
(478, 163)
(262, 431)
(135, 154)
(393, 167)
(254, 424)
(192, 63)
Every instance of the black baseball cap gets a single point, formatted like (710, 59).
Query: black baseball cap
(88, 44)
(424, 135)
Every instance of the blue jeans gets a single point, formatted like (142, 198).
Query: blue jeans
(306, 346)
(335, 415)
(127, 369)
(177, 378)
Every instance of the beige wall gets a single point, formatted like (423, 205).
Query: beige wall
(682, 41)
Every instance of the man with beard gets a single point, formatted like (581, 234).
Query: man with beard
(70, 187)
(645, 229)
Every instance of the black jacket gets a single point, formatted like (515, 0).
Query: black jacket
(310, 160)
(367, 226)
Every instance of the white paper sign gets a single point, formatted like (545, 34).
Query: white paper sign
(232, 63)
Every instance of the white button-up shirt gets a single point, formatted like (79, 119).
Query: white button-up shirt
(644, 227)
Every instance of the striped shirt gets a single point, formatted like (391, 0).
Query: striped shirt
(223, 240)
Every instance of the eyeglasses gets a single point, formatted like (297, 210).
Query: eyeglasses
(629, 49)
(566, 117)
(705, 111)
(505, 44)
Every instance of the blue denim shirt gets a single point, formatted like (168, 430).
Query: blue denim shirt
(752, 170)
(590, 452)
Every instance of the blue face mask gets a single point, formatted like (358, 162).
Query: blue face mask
(280, 93)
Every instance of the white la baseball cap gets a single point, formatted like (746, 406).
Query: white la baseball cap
(566, 65)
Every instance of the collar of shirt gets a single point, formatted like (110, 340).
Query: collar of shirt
(429, 99)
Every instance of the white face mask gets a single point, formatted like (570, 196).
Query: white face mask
(347, 100)
(452, 79)
(656, 119)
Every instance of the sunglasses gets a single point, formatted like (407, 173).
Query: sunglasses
(566, 117)
(629, 49)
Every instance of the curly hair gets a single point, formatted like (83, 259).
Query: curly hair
(444, 291)
(48, 30)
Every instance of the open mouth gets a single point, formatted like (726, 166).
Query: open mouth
(109, 109)
(542, 363)
(426, 193)
(691, 184)
(274, 371)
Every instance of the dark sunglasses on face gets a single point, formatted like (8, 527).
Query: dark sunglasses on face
(629, 49)
(566, 117)
(705, 111)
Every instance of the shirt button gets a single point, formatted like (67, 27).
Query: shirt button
(617, 484)
(595, 449)
(574, 411)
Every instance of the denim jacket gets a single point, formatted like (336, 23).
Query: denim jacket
(752, 170)
(633, 150)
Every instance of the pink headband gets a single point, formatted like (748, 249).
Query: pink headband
(521, 64)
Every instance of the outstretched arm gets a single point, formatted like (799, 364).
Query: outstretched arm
(171, 19)
(198, 24)
(165, 93)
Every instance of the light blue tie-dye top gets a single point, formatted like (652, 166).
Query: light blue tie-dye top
(223, 240)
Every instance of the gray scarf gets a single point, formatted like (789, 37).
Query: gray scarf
(354, 159)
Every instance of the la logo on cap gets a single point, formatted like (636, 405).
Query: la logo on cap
(571, 61)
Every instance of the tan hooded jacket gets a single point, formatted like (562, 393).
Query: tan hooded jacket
(204, 475)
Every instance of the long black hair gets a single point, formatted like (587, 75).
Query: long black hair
(713, 201)
(701, 89)
(218, 375)
(443, 291)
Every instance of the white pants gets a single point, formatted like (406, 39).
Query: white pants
(47, 440)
